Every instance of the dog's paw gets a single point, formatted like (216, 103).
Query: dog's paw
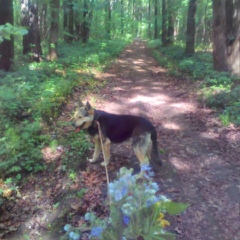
(92, 160)
(104, 164)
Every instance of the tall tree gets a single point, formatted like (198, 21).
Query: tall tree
(31, 41)
(68, 20)
(122, 16)
(87, 19)
(156, 13)
(54, 30)
(108, 22)
(164, 23)
(233, 35)
(190, 37)
(7, 46)
(170, 18)
(226, 35)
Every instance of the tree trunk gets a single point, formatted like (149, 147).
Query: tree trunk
(108, 19)
(233, 35)
(70, 22)
(65, 20)
(170, 29)
(7, 46)
(190, 38)
(54, 30)
(149, 18)
(31, 41)
(164, 23)
(219, 36)
(156, 31)
(122, 17)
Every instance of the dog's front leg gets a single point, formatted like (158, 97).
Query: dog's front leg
(106, 149)
(97, 149)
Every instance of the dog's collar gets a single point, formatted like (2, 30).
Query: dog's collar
(95, 118)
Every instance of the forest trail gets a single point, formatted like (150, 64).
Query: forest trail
(200, 160)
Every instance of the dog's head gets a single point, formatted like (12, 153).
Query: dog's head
(83, 116)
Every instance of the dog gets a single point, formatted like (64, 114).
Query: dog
(116, 129)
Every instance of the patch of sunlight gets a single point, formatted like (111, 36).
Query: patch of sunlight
(139, 69)
(157, 100)
(183, 105)
(171, 125)
(179, 164)
(139, 61)
(50, 155)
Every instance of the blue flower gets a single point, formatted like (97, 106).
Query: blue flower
(152, 201)
(118, 195)
(67, 227)
(145, 167)
(126, 219)
(155, 186)
(74, 236)
(96, 231)
(87, 216)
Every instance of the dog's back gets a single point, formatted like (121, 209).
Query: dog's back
(119, 128)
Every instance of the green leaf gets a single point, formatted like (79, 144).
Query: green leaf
(174, 208)
(22, 31)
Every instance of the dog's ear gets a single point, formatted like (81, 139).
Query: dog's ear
(88, 106)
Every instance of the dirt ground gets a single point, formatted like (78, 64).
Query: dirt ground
(200, 157)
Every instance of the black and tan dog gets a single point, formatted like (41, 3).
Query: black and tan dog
(116, 129)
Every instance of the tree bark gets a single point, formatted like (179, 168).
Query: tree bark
(219, 36)
(7, 46)
(233, 35)
(226, 36)
(190, 38)
(170, 29)
(32, 40)
(54, 30)
(156, 31)
(164, 23)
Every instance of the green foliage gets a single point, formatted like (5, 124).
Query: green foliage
(7, 30)
(20, 148)
(219, 90)
(78, 144)
(33, 96)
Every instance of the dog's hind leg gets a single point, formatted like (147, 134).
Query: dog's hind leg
(142, 146)
(106, 149)
(97, 149)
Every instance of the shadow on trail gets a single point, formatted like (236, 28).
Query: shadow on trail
(200, 165)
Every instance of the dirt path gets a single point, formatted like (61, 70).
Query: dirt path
(201, 159)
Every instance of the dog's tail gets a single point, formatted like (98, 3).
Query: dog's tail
(155, 158)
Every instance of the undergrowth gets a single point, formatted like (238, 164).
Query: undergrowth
(219, 90)
(33, 95)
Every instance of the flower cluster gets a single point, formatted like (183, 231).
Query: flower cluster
(71, 233)
(132, 198)
(136, 209)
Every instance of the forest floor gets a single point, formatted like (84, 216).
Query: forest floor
(200, 158)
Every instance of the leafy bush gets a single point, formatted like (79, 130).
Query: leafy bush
(20, 148)
(136, 210)
(33, 96)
